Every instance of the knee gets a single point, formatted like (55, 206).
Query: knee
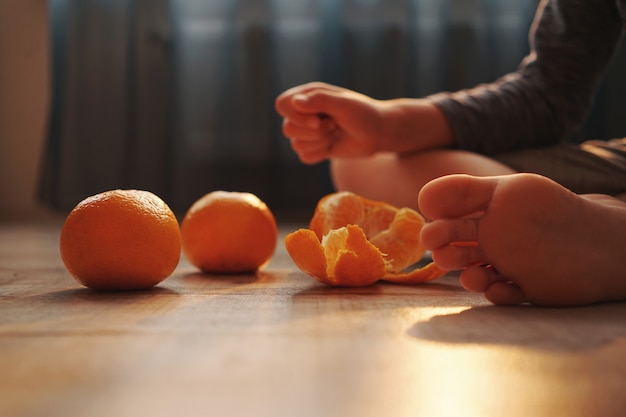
(378, 178)
(347, 175)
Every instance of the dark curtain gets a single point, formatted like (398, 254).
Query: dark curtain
(112, 123)
(176, 96)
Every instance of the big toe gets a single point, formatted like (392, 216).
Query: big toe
(456, 196)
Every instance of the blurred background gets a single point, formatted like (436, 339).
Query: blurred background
(176, 96)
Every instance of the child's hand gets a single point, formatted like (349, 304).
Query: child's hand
(324, 121)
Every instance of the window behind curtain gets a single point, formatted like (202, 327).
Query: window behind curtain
(176, 96)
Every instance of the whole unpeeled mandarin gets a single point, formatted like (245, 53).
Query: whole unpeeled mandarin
(229, 232)
(121, 240)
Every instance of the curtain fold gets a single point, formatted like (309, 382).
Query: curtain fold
(176, 96)
(111, 123)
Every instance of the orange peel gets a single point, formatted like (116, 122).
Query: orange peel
(343, 257)
(354, 241)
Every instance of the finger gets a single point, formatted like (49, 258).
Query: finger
(326, 103)
(307, 146)
(456, 196)
(299, 119)
(497, 288)
(297, 131)
(311, 157)
(478, 278)
(287, 108)
(308, 87)
(505, 293)
(283, 102)
(312, 151)
(457, 257)
(327, 130)
(459, 232)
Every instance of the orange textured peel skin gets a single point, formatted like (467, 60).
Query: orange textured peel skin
(353, 241)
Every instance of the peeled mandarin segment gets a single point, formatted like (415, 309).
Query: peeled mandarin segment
(378, 217)
(358, 263)
(307, 253)
(336, 210)
(343, 258)
(401, 241)
(428, 273)
(343, 208)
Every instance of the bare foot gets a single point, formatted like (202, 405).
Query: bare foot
(523, 238)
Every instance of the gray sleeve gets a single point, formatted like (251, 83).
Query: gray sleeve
(547, 98)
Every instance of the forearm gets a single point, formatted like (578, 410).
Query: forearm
(415, 125)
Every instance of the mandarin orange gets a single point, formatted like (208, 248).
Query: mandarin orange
(368, 233)
(229, 232)
(395, 231)
(343, 257)
(121, 240)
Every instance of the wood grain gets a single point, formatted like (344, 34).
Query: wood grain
(280, 344)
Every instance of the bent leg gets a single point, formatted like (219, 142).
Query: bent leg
(397, 179)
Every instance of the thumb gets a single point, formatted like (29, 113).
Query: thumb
(320, 102)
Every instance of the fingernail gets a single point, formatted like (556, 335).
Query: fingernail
(301, 99)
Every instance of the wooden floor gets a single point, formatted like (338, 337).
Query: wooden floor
(279, 344)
